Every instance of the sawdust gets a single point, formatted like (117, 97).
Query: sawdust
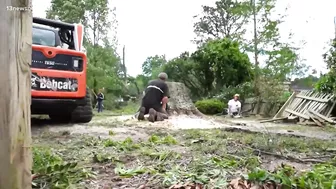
(175, 122)
(186, 122)
(129, 124)
(118, 128)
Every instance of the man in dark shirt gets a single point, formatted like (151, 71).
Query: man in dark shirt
(100, 98)
(155, 100)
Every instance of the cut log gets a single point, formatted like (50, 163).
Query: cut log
(315, 119)
(15, 82)
(180, 101)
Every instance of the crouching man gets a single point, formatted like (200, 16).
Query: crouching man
(155, 100)
(234, 106)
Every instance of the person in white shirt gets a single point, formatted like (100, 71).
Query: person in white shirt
(234, 106)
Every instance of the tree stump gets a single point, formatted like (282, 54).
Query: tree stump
(180, 101)
(15, 82)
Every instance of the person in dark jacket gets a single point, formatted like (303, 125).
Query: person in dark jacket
(100, 98)
(155, 100)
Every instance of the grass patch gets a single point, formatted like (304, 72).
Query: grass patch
(105, 113)
(50, 170)
(270, 143)
(295, 127)
(130, 108)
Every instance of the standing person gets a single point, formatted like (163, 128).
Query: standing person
(100, 98)
(155, 100)
(234, 106)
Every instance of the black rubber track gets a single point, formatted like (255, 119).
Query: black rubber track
(83, 114)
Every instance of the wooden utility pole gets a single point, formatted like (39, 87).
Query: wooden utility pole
(255, 41)
(255, 34)
(335, 26)
(15, 83)
(124, 65)
(256, 54)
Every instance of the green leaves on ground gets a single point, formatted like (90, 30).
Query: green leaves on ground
(51, 171)
(209, 158)
(321, 176)
(327, 82)
(215, 64)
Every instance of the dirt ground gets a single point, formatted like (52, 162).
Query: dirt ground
(121, 152)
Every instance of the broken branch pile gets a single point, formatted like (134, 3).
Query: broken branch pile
(308, 107)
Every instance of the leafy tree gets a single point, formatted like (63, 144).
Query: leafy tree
(306, 82)
(72, 11)
(231, 19)
(137, 84)
(327, 83)
(152, 65)
(245, 90)
(222, 63)
(133, 86)
(227, 19)
(98, 11)
(215, 64)
(330, 56)
(282, 59)
(182, 69)
(102, 73)
(93, 14)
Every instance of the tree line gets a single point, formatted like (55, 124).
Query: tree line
(240, 49)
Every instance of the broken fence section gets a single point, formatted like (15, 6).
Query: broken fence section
(308, 107)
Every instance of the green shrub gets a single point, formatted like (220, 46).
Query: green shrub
(210, 106)
(326, 84)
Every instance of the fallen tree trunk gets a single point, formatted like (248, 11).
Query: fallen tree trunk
(180, 101)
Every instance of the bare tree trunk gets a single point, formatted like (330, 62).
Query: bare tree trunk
(255, 42)
(15, 82)
(256, 54)
(335, 26)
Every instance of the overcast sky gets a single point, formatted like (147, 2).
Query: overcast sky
(150, 27)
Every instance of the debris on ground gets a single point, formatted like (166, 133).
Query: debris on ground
(186, 186)
(308, 108)
(111, 154)
(188, 150)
